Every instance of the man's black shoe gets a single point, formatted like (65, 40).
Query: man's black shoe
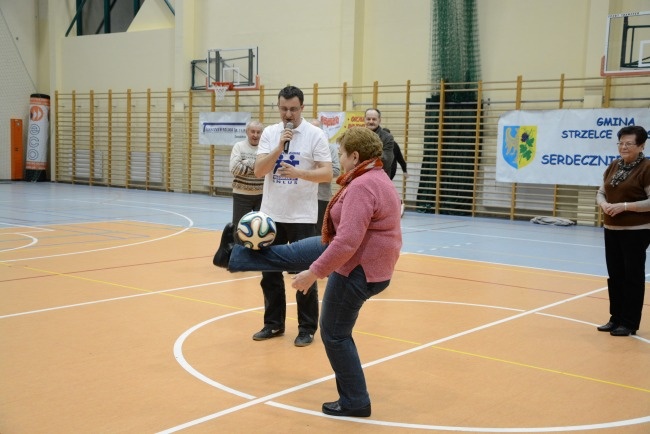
(334, 409)
(267, 333)
(222, 256)
(622, 331)
(607, 327)
(303, 339)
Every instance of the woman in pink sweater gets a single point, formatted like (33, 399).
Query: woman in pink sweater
(358, 250)
(362, 227)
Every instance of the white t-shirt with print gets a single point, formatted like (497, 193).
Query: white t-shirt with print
(293, 200)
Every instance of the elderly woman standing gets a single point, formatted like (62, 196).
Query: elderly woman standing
(625, 199)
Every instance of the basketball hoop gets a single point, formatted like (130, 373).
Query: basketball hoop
(220, 88)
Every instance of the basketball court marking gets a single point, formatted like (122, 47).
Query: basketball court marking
(129, 204)
(540, 368)
(178, 353)
(500, 265)
(615, 424)
(184, 229)
(23, 231)
(171, 205)
(502, 237)
(143, 293)
(30, 228)
(33, 242)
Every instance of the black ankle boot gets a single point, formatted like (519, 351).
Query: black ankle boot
(222, 256)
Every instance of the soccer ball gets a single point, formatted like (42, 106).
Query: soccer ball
(256, 230)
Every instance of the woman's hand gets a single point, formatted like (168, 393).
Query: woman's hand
(303, 281)
(612, 209)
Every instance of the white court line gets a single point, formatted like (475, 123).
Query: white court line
(647, 341)
(465, 428)
(106, 300)
(42, 229)
(503, 264)
(33, 228)
(502, 237)
(268, 398)
(191, 224)
(172, 205)
(483, 327)
(33, 242)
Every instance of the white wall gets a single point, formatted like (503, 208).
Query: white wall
(544, 39)
(118, 61)
(397, 40)
(536, 39)
(21, 19)
(18, 71)
(299, 42)
(138, 59)
(313, 41)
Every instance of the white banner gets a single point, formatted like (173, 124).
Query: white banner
(571, 147)
(222, 128)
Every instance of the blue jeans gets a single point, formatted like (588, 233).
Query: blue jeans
(342, 301)
(297, 256)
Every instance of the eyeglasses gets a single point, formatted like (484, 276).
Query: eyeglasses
(626, 144)
(290, 109)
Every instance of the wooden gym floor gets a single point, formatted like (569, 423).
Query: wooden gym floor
(113, 320)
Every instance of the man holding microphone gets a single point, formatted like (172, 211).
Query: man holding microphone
(293, 157)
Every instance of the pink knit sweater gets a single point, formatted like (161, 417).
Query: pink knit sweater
(366, 220)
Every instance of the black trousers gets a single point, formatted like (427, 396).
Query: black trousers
(242, 204)
(625, 254)
(275, 301)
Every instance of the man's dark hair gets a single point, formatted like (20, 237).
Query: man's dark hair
(292, 92)
(639, 132)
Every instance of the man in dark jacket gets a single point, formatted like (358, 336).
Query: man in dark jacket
(373, 120)
(399, 159)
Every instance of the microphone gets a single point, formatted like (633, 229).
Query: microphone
(286, 144)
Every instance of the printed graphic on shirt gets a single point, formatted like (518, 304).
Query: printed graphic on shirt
(289, 159)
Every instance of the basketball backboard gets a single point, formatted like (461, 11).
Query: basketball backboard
(238, 66)
(627, 44)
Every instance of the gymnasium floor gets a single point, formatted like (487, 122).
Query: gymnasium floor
(113, 320)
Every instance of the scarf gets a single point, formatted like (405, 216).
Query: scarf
(624, 170)
(344, 180)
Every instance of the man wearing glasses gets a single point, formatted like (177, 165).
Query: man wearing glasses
(293, 156)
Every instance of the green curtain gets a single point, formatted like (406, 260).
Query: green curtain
(454, 42)
(455, 59)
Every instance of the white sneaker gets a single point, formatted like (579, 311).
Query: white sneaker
(402, 209)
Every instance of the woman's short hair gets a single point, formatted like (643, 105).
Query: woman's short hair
(362, 140)
(639, 132)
